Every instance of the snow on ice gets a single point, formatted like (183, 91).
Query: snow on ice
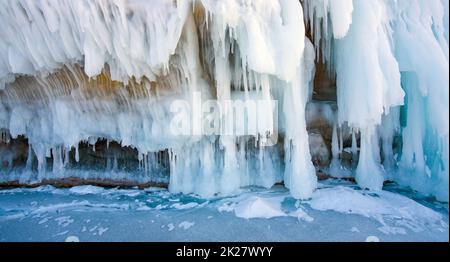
(344, 211)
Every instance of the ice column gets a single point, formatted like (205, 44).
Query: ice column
(425, 78)
(368, 83)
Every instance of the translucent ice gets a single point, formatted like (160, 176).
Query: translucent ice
(76, 73)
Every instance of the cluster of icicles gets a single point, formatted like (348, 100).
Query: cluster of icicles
(73, 71)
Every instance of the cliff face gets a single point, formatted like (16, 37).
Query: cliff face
(208, 96)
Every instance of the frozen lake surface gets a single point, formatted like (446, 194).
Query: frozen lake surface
(338, 211)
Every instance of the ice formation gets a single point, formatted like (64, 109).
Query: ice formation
(393, 56)
(74, 74)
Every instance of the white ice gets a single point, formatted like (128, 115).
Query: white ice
(81, 71)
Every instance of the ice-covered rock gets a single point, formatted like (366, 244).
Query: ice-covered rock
(80, 72)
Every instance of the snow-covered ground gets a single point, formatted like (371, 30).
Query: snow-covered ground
(338, 211)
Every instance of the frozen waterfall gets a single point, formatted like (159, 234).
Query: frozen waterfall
(211, 96)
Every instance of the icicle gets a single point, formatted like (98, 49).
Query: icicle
(48, 152)
(29, 158)
(4, 136)
(368, 83)
(335, 165)
(369, 174)
(66, 156)
(354, 149)
(335, 147)
(115, 76)
(58, 166)
(299, 174)
(77, 153)
(40, 152)
(108, 164)
(115, 164)
(354, 143)
(387, 132)
(230, 178)
(207, 184)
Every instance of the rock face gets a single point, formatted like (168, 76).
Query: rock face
(320, 152)
(324, 84)
(13, 154)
